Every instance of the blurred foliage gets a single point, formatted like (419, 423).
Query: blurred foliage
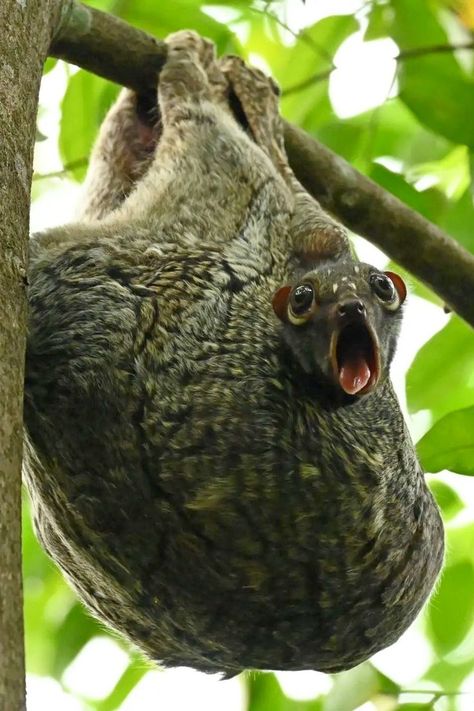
(418, 145)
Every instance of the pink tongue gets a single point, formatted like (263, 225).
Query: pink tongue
(355, 374)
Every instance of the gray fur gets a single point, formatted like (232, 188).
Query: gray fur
(204, 495)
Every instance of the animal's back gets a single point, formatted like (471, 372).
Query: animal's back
(208, 495)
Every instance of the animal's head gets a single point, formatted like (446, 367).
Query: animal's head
(341, 323)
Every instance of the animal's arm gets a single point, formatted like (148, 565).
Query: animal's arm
(121, 155)
(314, 234)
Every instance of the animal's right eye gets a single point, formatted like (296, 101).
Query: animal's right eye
(301, 305)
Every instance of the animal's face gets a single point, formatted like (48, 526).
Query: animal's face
(341, 322)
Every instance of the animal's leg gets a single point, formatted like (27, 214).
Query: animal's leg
(314, 233)
(254, 98)
(206, 171)
(121, 155)
(190, 77)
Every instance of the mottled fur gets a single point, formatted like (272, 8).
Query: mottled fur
(206, 497)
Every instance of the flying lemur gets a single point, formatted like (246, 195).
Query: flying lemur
(214, 451)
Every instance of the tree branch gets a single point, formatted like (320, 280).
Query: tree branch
(67, 168)
(116, 51)
(432, 49)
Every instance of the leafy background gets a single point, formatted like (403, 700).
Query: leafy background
(417, 141)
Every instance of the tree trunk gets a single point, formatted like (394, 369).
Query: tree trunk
(25, 34)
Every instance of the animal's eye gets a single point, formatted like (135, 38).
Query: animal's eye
(302, 298)
(301, 304)
(385, 291)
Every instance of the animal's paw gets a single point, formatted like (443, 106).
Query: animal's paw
(257, 95)
(191, 71)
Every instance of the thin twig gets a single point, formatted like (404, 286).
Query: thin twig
(432, 49)
(301, 36)
(314, 79)
(434, 692)
(67, 168)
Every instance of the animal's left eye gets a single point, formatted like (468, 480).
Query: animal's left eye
(384, 289)
(301, 304)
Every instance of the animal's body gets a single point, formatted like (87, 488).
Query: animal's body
(209, 491)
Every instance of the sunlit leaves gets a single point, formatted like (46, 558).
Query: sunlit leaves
(449, 444)
(57, 625)
(441, 378)
(458, 220)
(357, 686)
(451, 611)
(164, 17)
(264, 693)
(306, 63)
(440, 98)
(429, 203)
(446, 498)
(380, 21)
(84, 106)
(450, 173)
(49, 64)
(135, 671)
(432, 85)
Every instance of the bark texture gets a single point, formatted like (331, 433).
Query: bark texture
(20, 73)
(112, 49)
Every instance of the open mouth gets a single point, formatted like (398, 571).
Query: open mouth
(355, 358)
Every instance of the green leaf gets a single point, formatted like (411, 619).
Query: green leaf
(162, 18)
(433, 86)
(449, 676)
(265, 694)
(441, 378)
(356, 686)
(451, 610)
(471, 174)
(450, 173)
(312, 54)
(107, 5)
(135, 671)
(429, 202)
(446, 498)
(459, 219)
(74, 633)
(449, 444)
(84, 106)
(389, 130)
(49, 64)
(380, 22)
(441, 98)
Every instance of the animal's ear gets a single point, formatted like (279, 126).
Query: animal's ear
(280, 302)
(399, 285)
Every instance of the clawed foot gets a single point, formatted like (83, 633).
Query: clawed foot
(192, 74)
(257, 96)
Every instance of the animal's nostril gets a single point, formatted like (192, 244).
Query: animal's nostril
(354, 307)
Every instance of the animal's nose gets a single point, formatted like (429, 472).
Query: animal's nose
(353, 308)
